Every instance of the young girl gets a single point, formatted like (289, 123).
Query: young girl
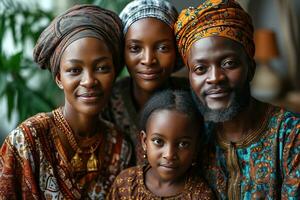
(170, 131)
(150, 56)
(70, 153)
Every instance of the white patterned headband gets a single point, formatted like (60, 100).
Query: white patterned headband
(139, 9)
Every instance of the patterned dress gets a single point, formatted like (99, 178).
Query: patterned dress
(122, 111)
(130, 184)
(33, 164)
(264, 165)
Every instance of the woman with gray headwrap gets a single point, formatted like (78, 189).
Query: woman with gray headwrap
(151, 57)
(70, 153)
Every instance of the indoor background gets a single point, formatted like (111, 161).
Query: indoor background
(25, 90)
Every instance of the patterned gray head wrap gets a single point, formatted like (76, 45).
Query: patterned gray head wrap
(139, 9)
(158, 9)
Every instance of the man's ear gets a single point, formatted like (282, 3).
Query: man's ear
(143, 138)
(252, 68)
(58, 82)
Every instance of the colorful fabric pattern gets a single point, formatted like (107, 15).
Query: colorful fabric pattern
(266, 168)
(224, 18)
(130, 184)
(122, 111)
(32, 165)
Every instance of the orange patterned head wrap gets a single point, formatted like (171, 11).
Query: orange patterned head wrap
(224, 18)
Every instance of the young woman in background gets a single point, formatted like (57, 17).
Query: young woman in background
(151, 57)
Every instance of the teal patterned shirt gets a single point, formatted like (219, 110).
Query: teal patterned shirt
(267, 166)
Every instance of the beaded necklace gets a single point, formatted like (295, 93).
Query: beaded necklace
(93, 164)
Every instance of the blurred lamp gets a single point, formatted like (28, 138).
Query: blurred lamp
(265, 45)
(266, 83)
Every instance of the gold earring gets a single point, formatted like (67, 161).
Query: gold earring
(59, 84)
(145, 154)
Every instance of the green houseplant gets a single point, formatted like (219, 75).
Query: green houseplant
(26, 89)
(23, 23)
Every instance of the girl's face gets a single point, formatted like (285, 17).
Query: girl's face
(150, 53)
(86, 75)
(170, 142)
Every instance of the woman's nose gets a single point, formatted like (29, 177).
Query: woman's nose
(88, 79)
(149, 57)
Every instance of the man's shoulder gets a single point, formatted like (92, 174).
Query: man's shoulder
(284, 123)
(284, 116)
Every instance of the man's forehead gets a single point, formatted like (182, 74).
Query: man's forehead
(214, 45)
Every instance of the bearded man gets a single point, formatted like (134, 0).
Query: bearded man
(252, 149)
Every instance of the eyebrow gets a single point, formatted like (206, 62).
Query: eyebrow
(219, 56)
(159, 41)
(97, 60)
(160, 135)
(157, 134)
(186, 137)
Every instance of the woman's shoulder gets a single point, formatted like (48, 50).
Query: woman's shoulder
(117, 143)
(31, 128)
(25, 141)
(113, 132)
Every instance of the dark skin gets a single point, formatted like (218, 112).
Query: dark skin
(170, 151)
(86, 76)
(150, 55)
(217, 67)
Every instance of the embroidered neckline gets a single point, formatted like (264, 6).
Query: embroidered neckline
(250, 138)
(142, 173)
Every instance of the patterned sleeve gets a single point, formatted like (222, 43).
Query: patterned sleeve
(113, 193)
(291, 158)
(123, 184)
(8, 163)
(203, 192)
(17, 179)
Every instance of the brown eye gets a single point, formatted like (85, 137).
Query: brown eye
(200, 69)
(158, 141)
(134, 48)
(229, 64)
(103, 69)
(74, 70)
(183, 144)
(163, 48)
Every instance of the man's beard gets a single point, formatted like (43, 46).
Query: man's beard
(239, 99)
